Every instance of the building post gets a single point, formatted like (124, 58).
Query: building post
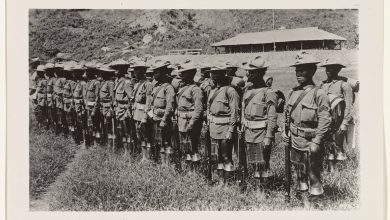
(301, 45)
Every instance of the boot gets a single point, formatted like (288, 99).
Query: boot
(330, 166)
(220, 173)
(162, 158)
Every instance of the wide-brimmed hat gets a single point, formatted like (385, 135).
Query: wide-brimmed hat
(59, 65)
(119, 64)
(304, 58)
(78, 66)
(50, 66)
(160, 63)
(333, 62)
(189, 65)
(34, 60)
(231, 64)
(256, 63)
(91, 64)
(41, 68)
(105, 68)
(138, 63)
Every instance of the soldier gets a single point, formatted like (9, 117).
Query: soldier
(258, 119)
(67, 95)
(123, 92)
(34, 63)
(149, 74)
(57, 94)
(340, 96)
(106, 101)
(189, 114)
(92, 104)
(159, 105)
(79, 93)
(222, 115)
(307, 120)
(40, 90)
(142, 124)
(51, 79)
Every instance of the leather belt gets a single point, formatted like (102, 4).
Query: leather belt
(254, 124)
(139, 106)
(302, 132)
(218, 120)
(185, 114)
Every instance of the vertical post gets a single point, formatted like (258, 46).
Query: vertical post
(301, 45)
(323, 44)
(263, 47)
(273, 26)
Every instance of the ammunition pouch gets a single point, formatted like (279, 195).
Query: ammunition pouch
(185, 114)
(254, 124)
(218, 120)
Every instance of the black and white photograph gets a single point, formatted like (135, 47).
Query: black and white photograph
(193, 109)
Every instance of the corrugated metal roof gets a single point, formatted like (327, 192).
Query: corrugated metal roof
(285, 35)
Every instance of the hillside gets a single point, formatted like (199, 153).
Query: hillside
(84, 33)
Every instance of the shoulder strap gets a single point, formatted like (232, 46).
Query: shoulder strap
(299, 99)
(138, 86)
(184, 90)
(215, 95)
(249, 99)
(158, 90)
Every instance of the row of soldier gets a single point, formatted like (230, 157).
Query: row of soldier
(162, 114)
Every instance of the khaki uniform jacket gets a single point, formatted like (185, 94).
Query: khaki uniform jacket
(92, 93)
(41, 90)
(342, 89)
(261, 108)
(311, 114)
(139, 99)
(50, 91)
(225, 105)
(58, 91)
(162, 105)
(123, 92)
(189, 106)
(107, 97)
(79, 94)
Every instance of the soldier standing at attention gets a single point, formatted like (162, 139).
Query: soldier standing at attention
(143, 126)
(106, 100)
(159, 105)
(222, 115)
(40, 90)
(340, 96)
(189, 114)
(51, 79)
(67, 94)
(259, 119)
(308, 117)
(123, 91)
(92, 104)
(79, 93)
(57, 93)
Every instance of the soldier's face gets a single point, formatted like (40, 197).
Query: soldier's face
(158, 74)
(332, 70)
(304, 73)
(139, 72)
(188, 76)
(218, 76)
(255, 75)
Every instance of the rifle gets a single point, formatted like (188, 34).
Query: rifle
(287, 165)
(208, 149)
(241, 154)
(113, 129)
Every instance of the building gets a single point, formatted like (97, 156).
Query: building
(281, 40)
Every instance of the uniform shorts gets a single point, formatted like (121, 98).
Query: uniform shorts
(254, 153)
(162, 136)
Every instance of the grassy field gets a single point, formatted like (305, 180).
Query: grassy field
(97, 180)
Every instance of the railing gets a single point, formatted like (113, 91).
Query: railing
(185, 52)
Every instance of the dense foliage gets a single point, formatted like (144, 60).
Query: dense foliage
(84, 32)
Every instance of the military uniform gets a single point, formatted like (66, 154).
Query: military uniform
(123, 92)
(189, 115)
(79, 107)
(106, 100)
(41, 104)
(92, 107)
(259, 122)
(51, 110)
(222, 115)
(336, 89)
(159, 105)
(68, 89)
(57, 95)
(140, 116)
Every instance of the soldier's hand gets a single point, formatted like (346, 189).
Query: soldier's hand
(267, 141)
(285, 138)
(343, 128)
(162, 124)
(314, 148)
(229, 135)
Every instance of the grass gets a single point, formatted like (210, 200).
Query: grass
(98, 180)
(49, 155)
